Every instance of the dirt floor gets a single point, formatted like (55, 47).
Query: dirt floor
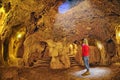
(73, 73)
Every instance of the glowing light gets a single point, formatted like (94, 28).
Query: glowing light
(64, 7)
(99, 45)
(119, 34)
(67, 5)
(71, 46)
(94, 72)
(19, 35)
(2, 10)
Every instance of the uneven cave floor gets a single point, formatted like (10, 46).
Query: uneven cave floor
(73, 73)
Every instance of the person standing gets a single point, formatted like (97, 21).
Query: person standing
(85, 56)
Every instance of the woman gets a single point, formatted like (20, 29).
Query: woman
(85, 56)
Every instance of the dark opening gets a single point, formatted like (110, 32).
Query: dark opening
(5, 49)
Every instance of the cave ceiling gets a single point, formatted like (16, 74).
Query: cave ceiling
(88, 18)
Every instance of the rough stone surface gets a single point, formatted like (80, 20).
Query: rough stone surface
(39, 20)
(73, 73)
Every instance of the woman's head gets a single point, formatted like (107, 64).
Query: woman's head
(85, 41)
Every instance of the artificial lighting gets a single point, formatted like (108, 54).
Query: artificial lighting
(118, 34)
(2, 10)
(96, 72)
(71, 46)
(19, 35)
(99, 45)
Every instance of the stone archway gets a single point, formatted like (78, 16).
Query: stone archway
(15, 46)
(11, 42)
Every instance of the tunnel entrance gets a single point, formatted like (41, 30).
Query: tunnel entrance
(111, 48)
(5, 50)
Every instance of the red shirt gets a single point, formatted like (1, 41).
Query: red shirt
(85, 50)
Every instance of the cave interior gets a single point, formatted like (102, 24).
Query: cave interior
(49, 33)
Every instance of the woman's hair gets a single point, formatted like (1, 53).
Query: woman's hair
(85, 41)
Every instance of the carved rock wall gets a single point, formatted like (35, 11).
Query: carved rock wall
(40, 21)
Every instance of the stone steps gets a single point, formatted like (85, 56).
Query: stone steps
(73, 61)
(45, 62)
